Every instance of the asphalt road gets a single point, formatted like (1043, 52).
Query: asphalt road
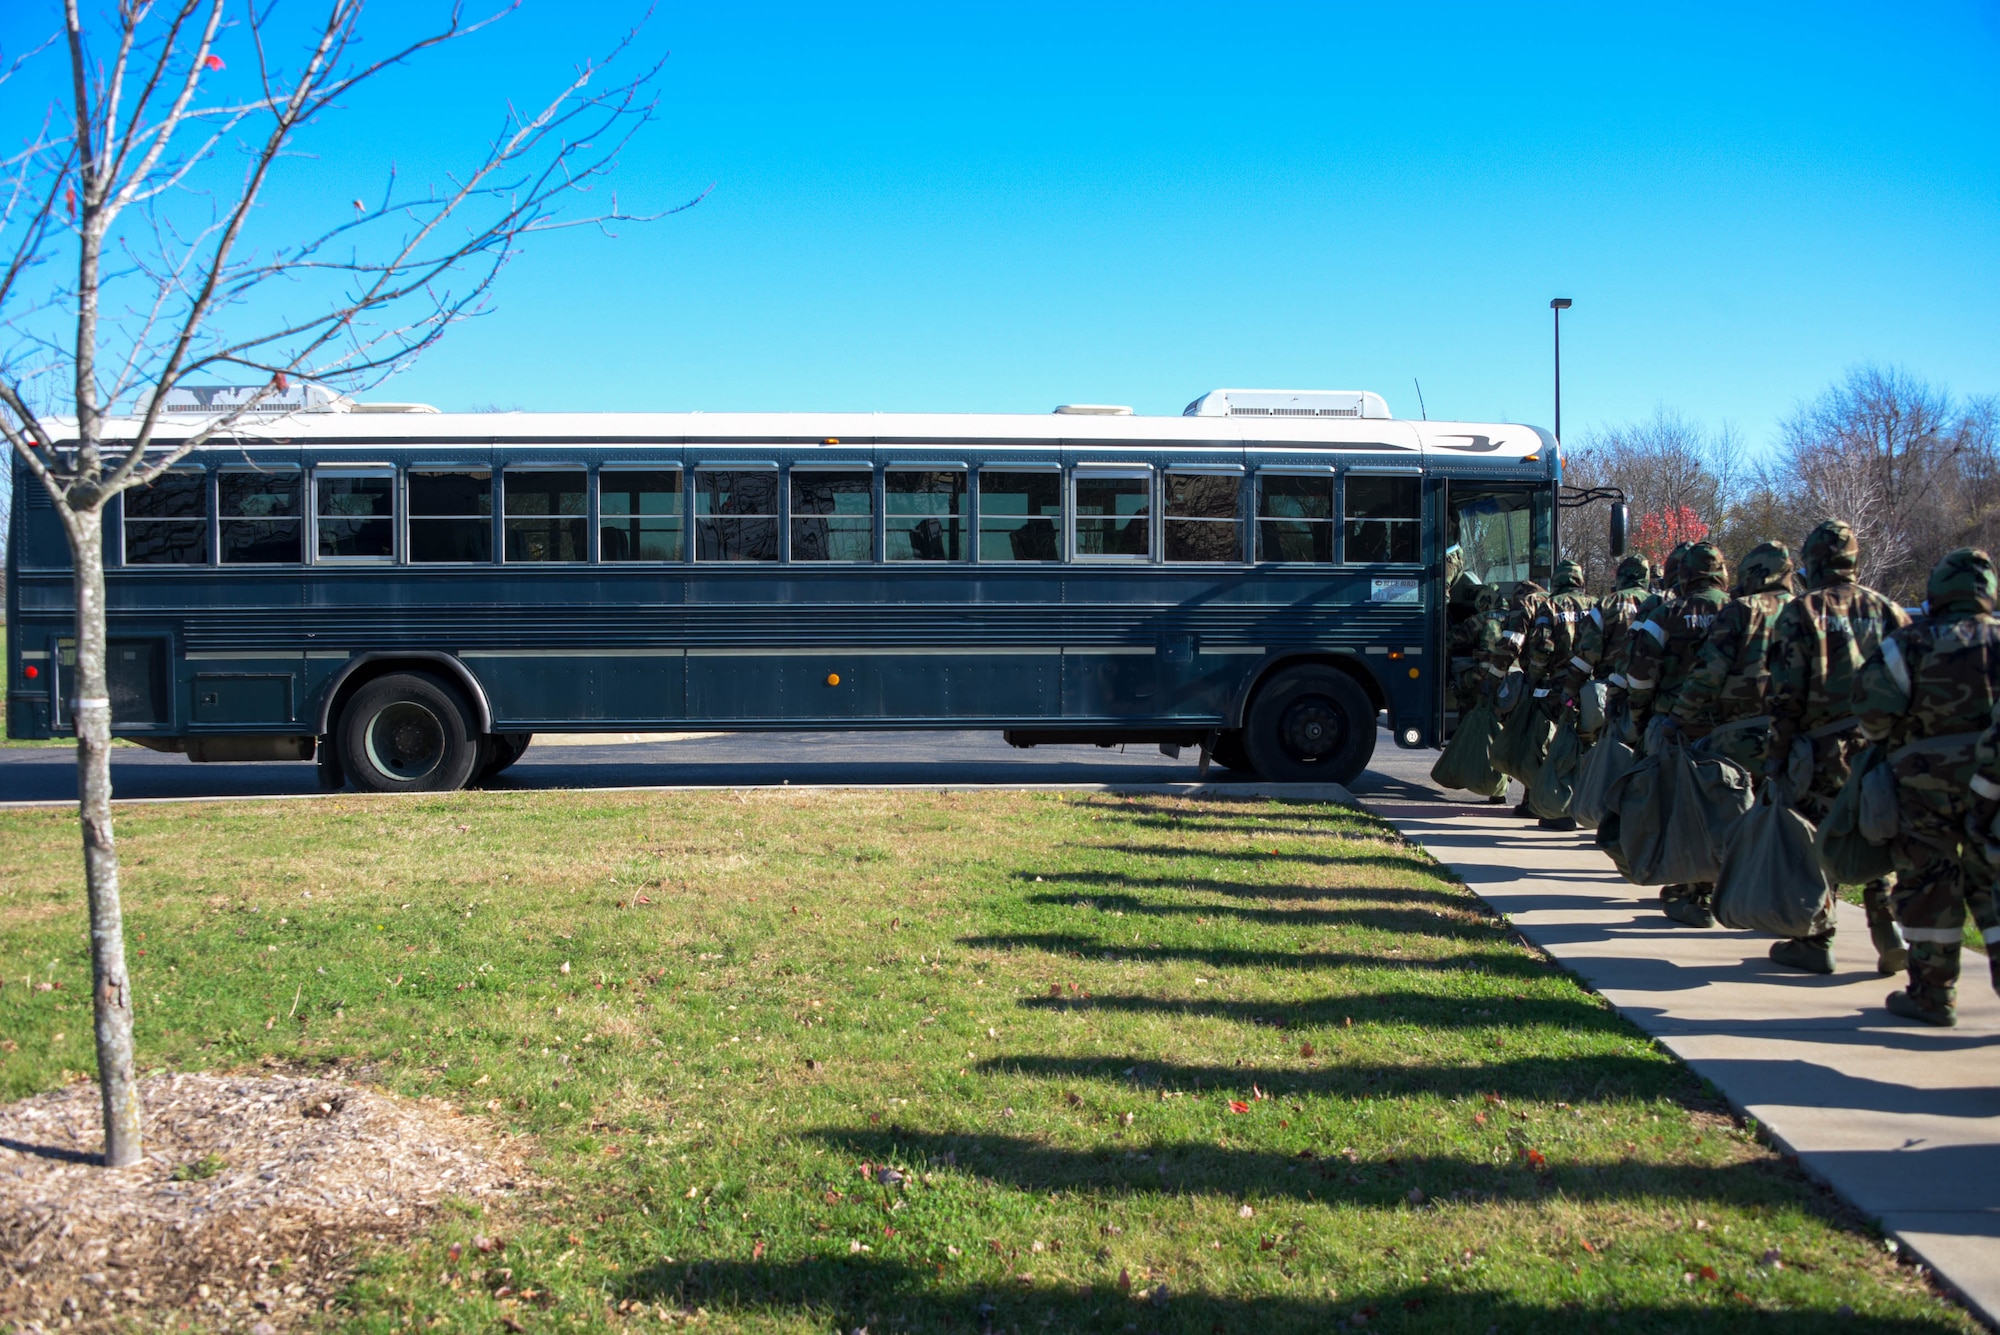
(48, 774)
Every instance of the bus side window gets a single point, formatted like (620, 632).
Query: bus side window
(924, 514)
(1020, 515)
(736, 514)
(1384, 519)
(166, 521)
(833, 514)
(354, 514)
(1204, 516)
(1295, 517)
(451, 514)
(1114, 514)
(262, 516)
(639, 514)
(547, 514)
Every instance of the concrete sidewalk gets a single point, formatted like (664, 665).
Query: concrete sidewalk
(1901, 1120)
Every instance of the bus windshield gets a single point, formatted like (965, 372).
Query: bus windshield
(1499, 534)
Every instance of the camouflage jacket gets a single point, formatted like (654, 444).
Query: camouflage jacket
(1552, 634)
(1662, 648)
(1934, 678)
(1514, 626)
(1729, 680)
(1818, 645)
(1600, 638)
(1621, 661)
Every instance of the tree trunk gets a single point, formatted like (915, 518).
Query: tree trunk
(90, 708)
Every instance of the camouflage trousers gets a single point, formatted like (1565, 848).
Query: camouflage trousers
(1939, 878)
(1832, 762)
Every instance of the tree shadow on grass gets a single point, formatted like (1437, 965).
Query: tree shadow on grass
(1092, 884)
(1566, 1079)
(1407, 921)
(1392, 857)
(853, 1293)
(1497, 963)
(1572, 1014)
(1323, 1177)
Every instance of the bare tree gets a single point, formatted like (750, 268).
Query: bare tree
(1903, 461)
(127, 222)
(1671, 469)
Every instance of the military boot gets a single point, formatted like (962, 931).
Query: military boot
(1892, 953)
(1558, 823)
(1931, 995)
(1686, 904)
(1810, 954)
(1526, 812)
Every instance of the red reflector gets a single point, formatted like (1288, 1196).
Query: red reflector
(31, 672)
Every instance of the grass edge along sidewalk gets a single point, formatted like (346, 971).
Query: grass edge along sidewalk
(952, 1061)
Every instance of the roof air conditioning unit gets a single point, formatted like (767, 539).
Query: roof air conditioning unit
(1288, 403)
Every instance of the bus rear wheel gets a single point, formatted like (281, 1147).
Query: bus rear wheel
(1310, 725)
(407, 733)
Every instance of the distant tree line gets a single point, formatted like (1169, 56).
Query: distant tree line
(1914, 468)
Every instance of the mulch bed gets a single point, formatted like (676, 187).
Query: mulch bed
(256, 1194)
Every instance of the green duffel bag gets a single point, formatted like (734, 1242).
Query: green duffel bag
(1771, 880)
(1602, 766)
(1524, 740)
(1467, 762)
(1675, 811)
(1849, 857)
(1555, 782)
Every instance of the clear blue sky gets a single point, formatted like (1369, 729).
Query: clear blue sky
(1004, 207)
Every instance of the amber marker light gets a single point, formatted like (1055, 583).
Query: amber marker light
(833, 679)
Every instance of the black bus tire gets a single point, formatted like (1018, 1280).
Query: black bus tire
(1230, 753)
(1310, 725)
(407, 732)
(502, 750)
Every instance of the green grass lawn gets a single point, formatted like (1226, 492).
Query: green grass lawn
(1132, 1064)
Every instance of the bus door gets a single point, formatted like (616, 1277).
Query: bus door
(1499, 533)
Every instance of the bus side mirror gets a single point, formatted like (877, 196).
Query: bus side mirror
(1620, 519)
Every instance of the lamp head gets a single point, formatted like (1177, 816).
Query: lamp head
(1559, 304)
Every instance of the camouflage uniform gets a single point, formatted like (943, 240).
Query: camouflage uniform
(1817, 649)
(1937, 681)
(1467, 627)
(1551, 645)
(1510, 652)
(1663, 593)
(1729, 681)
(1600, 635)
(1660, 652)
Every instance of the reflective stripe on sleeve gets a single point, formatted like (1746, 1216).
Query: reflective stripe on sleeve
(1618, 679)
(1652, 630)
(1986, 788)
(1641, 683)
(1597, 615)
(1496, 670)
(1990, 936)
(1892, 658)
(1944, 936)
(1580, 665)
(1515, 638)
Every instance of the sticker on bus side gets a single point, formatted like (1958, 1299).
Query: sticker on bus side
(1393, 591)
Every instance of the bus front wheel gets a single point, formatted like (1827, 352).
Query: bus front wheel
(1310, 725)
(407, 733)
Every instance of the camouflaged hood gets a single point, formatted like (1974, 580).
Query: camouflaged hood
(1830, 551)
(1703, 567)
(1634, 572)
(1569, 577)
(1766, 566)
(1963, 582)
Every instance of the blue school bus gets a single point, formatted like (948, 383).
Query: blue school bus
(407, 596)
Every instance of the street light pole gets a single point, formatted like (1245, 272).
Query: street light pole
(1558, 305)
